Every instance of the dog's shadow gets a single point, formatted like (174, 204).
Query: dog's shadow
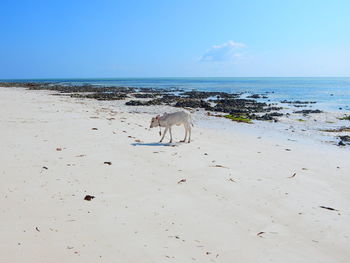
(155, 144)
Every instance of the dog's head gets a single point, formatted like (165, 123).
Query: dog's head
(155, 122)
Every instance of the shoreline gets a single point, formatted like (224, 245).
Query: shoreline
(322, 126)
(242, 195)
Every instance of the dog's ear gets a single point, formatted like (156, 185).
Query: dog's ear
(158, 116)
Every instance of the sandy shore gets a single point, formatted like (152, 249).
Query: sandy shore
(246, 198)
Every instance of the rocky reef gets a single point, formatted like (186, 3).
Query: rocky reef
(221, 102)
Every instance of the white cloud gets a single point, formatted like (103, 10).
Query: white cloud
(225, 52)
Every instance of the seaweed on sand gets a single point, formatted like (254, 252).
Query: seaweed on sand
(238, 118)
(344, 118)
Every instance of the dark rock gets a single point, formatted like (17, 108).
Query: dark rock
(190, 103)
(308, 111)
(165, 100)
(340, 143)
(144, 95)
(240, 106)
(257, 96)
(206, 94)
(297, 102)
(135, 103)
(254, 96)
(266, 116)
(345, 138)
(276, 114)
(89, 197)
(104, 96)
(274, 108)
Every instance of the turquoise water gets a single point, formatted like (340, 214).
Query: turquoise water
(329, 93)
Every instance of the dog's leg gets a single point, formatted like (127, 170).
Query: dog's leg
(189, 131)
(166, 129)
(185, 133)
(171, 136)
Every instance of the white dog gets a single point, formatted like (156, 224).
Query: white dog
(170, 119)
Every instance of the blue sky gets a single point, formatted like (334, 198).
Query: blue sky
(81, 39)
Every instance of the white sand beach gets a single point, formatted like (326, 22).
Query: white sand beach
(242, 198)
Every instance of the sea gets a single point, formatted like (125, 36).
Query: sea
(330, 94)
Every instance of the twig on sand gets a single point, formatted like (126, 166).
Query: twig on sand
(182, 181)
(341, 129)
(219, 166)
(260, 233)
(292, 175)
(328, 208)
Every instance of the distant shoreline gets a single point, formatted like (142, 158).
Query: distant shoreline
(330, 93)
